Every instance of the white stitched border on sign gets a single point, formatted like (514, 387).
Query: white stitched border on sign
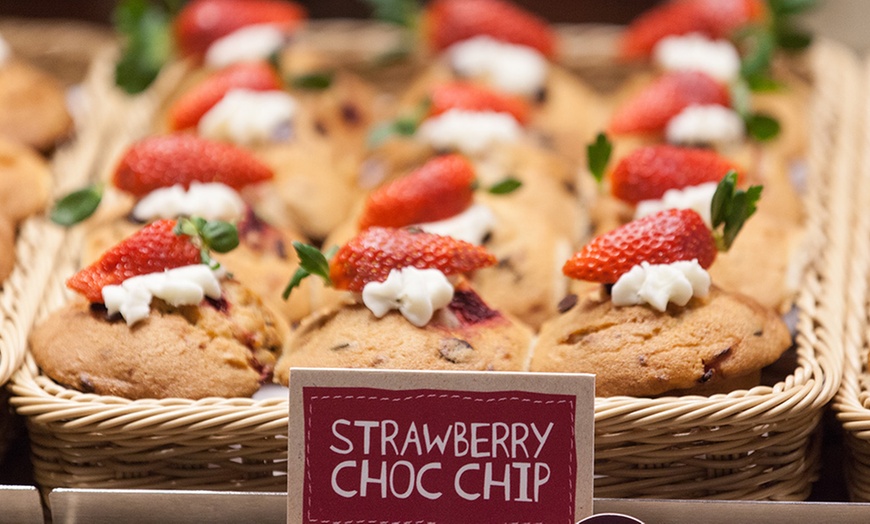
(417, 397)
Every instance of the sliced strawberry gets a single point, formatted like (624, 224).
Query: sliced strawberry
(651, 109)
(451, 21)
(661, 238)
(647, 172)
(373, 253)
(440, 189)
(714, 18)
(151, 249)
(163, 161)
(471, 97)
(186, 112)
(201, 22)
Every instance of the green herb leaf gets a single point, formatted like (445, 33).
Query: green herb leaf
(762, 83)
(313, 81)
(598, 155)
(730, 209)
(741, 97)
(506, 186)
(148, 44)
(404, 126)
(758, 44)
(220, 236)
(77, 206)
(762, 127)
(311, 262)
(399, 12)
(790, 7)
(792, 38)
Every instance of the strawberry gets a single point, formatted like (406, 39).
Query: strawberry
(153, 248)
(714, 18)
(373, 253)
(190, 107)
(162, 161)
(201, 22)
(471, 97)
(651, 109)
(451, 21)
(647, 172)
(439, 189)
(668, 236)
(661, 238)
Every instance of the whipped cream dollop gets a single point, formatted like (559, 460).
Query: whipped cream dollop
(470, 132)
(5, 51)
(512, 68)
(253, 42)
(416, 293)
(249, 117)
(696, 52)
(705, 124)
(658, 284)
(211, 201)
(472, 225)
(186, 285)
(697, 197)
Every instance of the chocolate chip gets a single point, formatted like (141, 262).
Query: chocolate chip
(85, 383)
(641, 359)
(567, 303)
(350, 113)
(339, 347)
(541, 95)
(455, 350)
(320, 127)
(706, 376)
(570, 187)
(281, 249)
(758, 333)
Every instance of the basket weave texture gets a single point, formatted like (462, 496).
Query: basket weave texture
(852, 404)
(755, 444)
(65, 51)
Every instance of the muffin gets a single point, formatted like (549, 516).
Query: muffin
(156, 322)
(658, 325)
(406, 311)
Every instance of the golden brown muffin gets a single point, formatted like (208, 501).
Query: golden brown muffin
(466, 335)
(32, 106)
(639, 351)
(223, 348)
(25, 181)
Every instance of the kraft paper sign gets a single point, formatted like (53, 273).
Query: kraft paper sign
(439, 447)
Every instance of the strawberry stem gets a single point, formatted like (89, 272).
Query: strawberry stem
(730, 209)
(216, 235)
(311, 262)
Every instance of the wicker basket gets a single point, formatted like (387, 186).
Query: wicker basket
(756, 444)
(65, 51)
(852, 404)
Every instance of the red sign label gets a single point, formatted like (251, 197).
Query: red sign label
(423, 455)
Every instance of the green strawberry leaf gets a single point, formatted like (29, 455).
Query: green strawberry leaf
(506, 186)
(762, 127)
(730, 209)
(147, 42)
(216, 235)
(598, 155)
(77, 206)
(313, 81)
(311, 262)
(402, 126)
(220, 236)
